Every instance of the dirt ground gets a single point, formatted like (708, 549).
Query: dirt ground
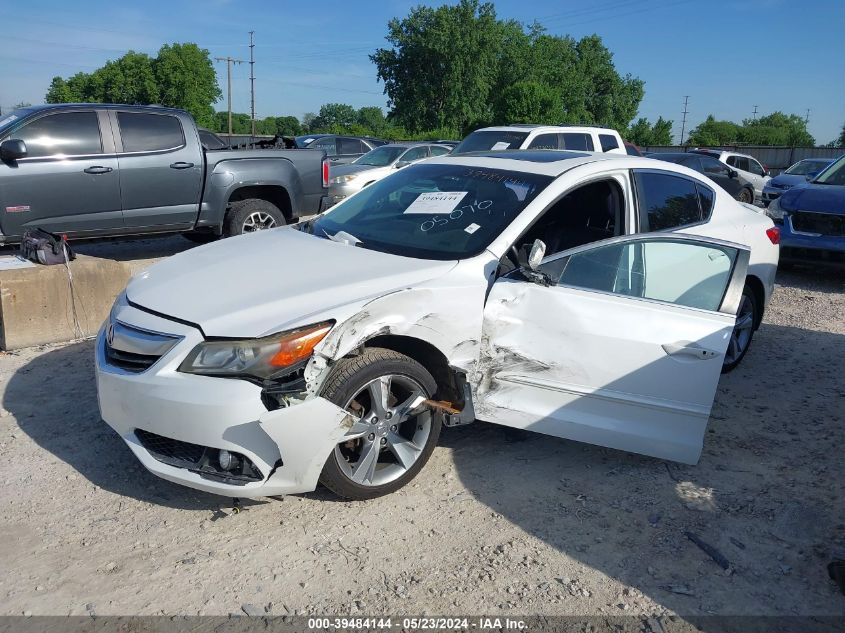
(494, 524)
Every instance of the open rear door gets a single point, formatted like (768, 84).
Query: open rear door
(623, 348)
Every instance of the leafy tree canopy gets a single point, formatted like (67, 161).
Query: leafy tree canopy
(180, 76)
(774, 129)
(647, 134)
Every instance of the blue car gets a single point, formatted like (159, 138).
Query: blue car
(811, 218)
(798, 174)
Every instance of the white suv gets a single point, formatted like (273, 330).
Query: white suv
(748, 169)
(582, 138)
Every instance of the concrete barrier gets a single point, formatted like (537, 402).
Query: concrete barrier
(40, 305)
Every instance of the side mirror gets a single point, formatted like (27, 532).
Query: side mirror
(529, 262)
(536, 255)
(12, 149)
(732, 173)
(401, 164)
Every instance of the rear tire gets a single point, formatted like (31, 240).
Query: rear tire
(252, 214)
(746, 321)
(746, 195)
(392, 438)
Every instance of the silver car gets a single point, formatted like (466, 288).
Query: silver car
(376, 164)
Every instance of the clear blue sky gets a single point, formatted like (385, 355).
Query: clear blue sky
(727, 55)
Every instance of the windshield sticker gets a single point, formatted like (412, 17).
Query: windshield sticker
(472, 228)
(8, 119)
(436, 202)
(501, 145)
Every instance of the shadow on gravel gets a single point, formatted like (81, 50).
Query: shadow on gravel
(766, 494)
(54, 401)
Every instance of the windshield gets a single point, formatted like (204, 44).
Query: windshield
(833, 175)
(433, 211)
(804, 167)
(486, 140)
(8, 120)
(381, 156)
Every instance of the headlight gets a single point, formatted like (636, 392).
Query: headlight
(261, 358)
(339, 180)
(774, 210)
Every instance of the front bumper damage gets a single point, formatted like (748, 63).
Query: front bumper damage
(288, 446)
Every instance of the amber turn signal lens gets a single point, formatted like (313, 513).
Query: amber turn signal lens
(298, 346)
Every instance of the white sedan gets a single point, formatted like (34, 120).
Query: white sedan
(592, 297)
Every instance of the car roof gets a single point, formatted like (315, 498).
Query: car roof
(99, 106)
(544, 162)
(521, 127)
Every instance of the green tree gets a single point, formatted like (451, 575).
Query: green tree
(372, 119)
(712, 132)
(336, 118)
(646, 134)
(129, 79)
(287, 126)
(777, 129)
(186, 79)
(841, 139)
(530, 102)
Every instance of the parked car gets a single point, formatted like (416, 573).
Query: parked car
(498, 286)
(104, 170)
(582, 138)
(376, 164)
(716, 171)
(748, 168)
(797, 174)
(632, 150)
(812, 217)
(344, 149)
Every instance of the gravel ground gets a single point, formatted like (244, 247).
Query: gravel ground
(495, 524)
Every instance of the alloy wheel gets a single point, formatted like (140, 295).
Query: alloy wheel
(391, 428)
(742, 332)
(258, 221)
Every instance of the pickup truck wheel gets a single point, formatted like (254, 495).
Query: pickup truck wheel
(253, 214)
(746, 195)
(392, 434)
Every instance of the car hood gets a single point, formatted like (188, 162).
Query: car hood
(789, 180)
(818, 198)
(262, 283)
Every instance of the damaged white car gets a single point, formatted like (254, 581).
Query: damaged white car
(586, 296)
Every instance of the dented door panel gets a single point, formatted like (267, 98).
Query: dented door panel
(617, 371)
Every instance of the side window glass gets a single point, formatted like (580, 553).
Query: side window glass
(577, 141)
(415, 153)
(64, 134)
(706, 198)
(689, 274)
(326, 144)
(666, 201)
(713, 166)
(754, 167)
(731, 161)
(742, 163)
(439, 151)
(544, 141)
(142, 132)
(608, 142)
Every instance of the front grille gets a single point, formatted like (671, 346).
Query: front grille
(127, 361)
(821, 223)
(202, 460)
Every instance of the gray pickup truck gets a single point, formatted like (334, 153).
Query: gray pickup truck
(104, 170)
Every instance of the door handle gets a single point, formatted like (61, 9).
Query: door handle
(97, 169)
(181, 165)
(689, 350)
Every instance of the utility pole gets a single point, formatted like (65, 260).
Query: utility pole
(807, 117)
(252, 84)
(229, 61)
(684, 122)
(755, 113)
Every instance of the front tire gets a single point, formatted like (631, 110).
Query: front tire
(747, 318)
(253, 214)
(393, 434)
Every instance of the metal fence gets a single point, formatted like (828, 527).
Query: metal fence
(775, 158)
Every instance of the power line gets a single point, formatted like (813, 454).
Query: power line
(684, 121)
(229, 61)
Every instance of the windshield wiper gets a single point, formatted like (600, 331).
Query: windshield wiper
(343, 237)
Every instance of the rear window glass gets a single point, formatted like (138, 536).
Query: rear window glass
(608, 142)
(666, 201)
(485, 140)
(143, 132)
(578, 141)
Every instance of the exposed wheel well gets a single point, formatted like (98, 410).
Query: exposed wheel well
(426, 355)
(759, 295)
(271, 193)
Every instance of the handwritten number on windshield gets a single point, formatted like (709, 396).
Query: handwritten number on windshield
(456, 214)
